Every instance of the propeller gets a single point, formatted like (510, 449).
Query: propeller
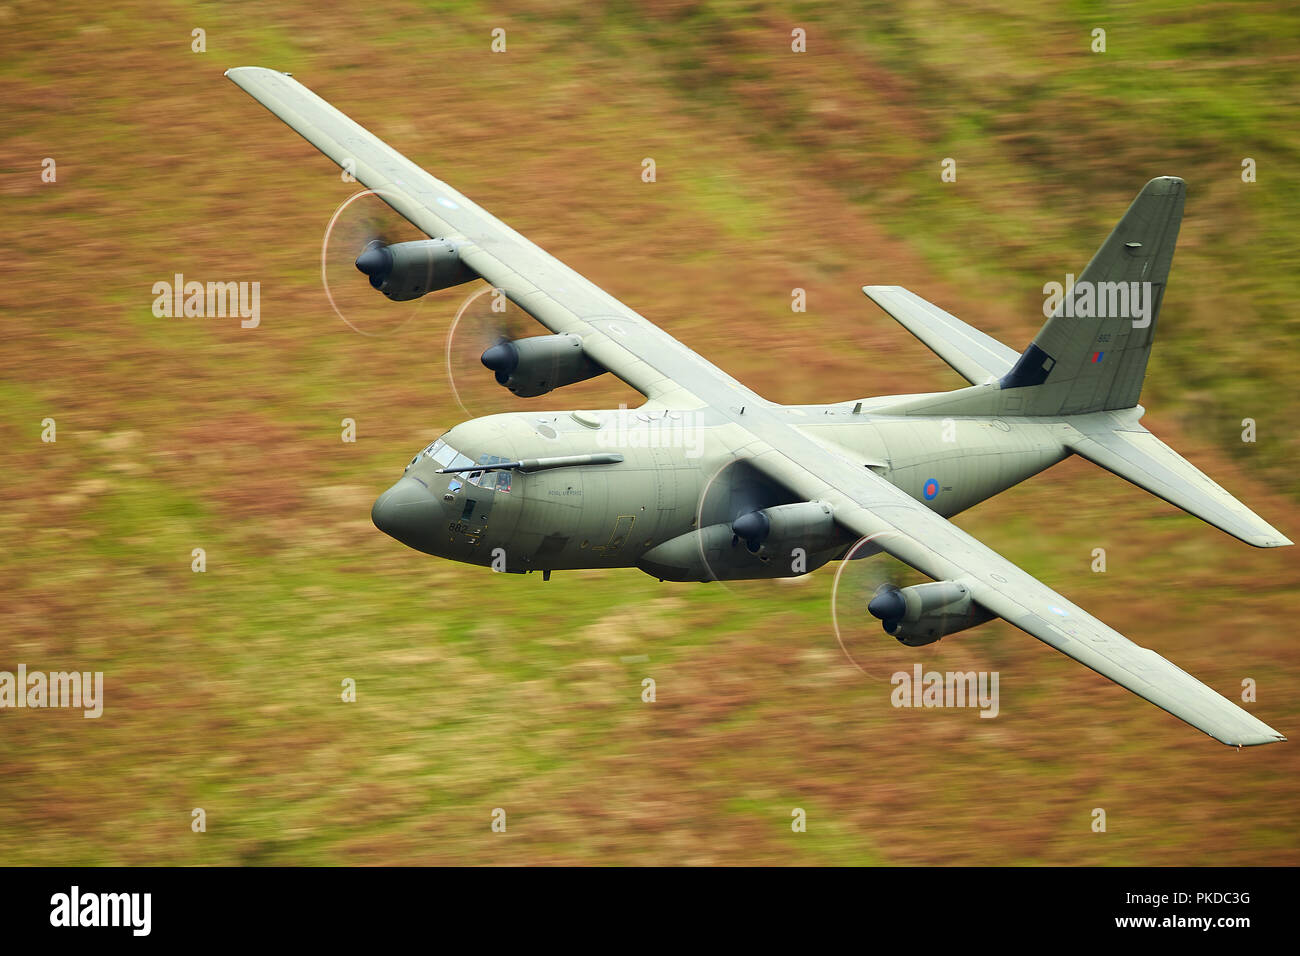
(734, 496)
(481, 337)
(866, 594)
(357, 240)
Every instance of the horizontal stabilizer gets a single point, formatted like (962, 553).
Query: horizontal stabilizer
(1132, 452)
(975, 356)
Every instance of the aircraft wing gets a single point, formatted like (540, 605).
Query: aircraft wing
(974, 355)
(613, 335)
(869, 505)
(660, 367)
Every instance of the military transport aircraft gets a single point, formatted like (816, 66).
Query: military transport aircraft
(768, 490)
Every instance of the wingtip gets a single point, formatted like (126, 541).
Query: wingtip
(254, 69)
(1274, 540)
(1267, 736)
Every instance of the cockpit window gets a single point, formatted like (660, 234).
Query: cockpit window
(496, 481)
(491, 480)
(440, 452)
(447, 457)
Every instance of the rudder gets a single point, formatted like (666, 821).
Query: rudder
(1091, 355)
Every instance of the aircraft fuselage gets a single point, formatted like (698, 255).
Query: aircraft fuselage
(668, 506)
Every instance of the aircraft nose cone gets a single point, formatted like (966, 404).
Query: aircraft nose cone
(407, 512)
(374, 260)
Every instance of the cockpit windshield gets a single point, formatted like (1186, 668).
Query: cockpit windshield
(491, 480)
(442, 453)
(447, 457)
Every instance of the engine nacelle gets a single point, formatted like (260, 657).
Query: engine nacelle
(540, 363)
(784, 541)
(778, 530)
(924, 613)
(408, 270)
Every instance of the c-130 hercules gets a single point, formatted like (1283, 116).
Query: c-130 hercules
(768, 490)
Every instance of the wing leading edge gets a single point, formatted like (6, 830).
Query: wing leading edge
(613, 335)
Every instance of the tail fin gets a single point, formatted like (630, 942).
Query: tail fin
(1092, 354)
(1090, 357)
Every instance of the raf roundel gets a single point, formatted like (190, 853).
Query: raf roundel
(930, 490)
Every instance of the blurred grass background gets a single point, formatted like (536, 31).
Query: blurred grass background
(775, 171)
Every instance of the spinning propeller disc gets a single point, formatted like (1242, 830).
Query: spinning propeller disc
(362, 221)
(485, 318)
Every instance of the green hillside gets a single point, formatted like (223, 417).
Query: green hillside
(775, 170)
